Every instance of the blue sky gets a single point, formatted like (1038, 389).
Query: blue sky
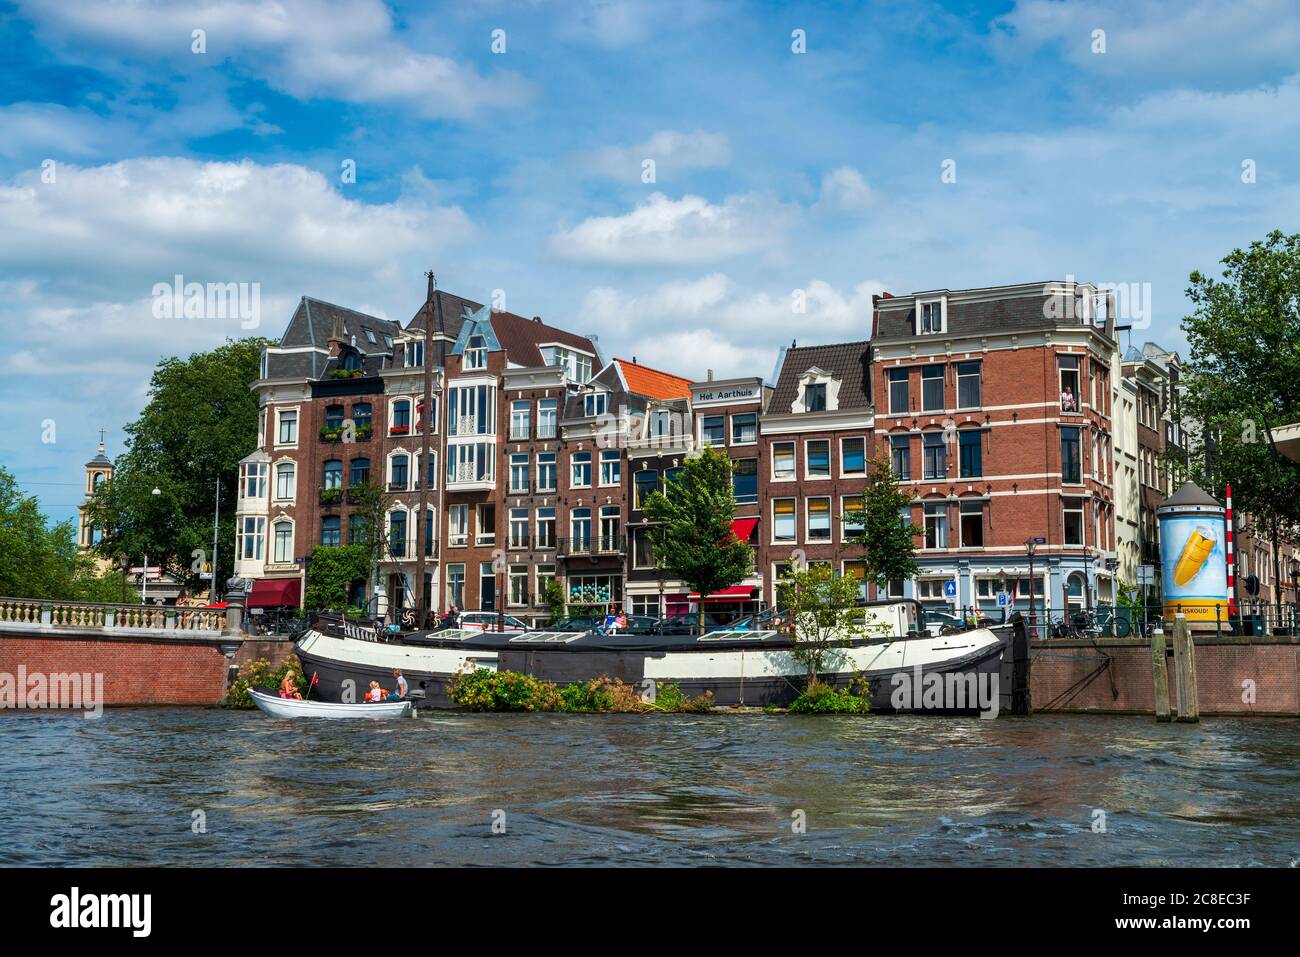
(521, 170)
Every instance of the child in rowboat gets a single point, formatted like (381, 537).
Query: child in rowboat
(375, 693)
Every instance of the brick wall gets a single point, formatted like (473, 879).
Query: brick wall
(1066, 676)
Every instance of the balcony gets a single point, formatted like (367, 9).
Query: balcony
(592, 547)
(333, 432)
(468, 478)
(332, 496)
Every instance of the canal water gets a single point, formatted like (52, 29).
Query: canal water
(134, 787)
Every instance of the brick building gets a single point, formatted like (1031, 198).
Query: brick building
(995, 405)
(816, 440)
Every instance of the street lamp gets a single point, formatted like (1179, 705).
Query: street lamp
(1031, 545)
(144, 576)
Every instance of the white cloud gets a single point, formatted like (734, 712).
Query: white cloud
(340, 49)
(845, 190)
(671, 151)
(690, 230)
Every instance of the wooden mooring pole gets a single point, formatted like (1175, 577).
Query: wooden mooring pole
(1185, 670)
(1160, 674)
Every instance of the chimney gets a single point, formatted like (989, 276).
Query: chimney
(537, 318)
(336, 339)
(710, 375)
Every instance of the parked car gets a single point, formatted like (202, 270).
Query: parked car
(489, 620)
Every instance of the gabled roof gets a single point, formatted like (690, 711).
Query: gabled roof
(522, 338)
(847, 361)
(652, 383)
(313, 323)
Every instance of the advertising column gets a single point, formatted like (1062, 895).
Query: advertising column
(1193, 557)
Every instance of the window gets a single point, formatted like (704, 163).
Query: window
(458, 525)
(518, 594)
(1069, 371)
(744, 481)
(546, 471)
(900, 456)
(611, 467)
(361, 417)
(818, 452)
(456, 586)
(519, 528)
(414, 353)
(968, 385)
(471, 462)
(814, 397)
(333, 417)
(252, 531)
(485, 524)
(546, 418)
(520, 419)
(935, 465)
(397, 534)
(398, 469)
(853, 456)
(819, 520)
(972, 524)
(969, 449)
(644, 482)
(545, 573)
(283, 553)
(580, 529)
(1071, 466)
(546, 528)
(661, 424)
(713, 430)
(594, 403)
(932, 389)
(430, 533)
(358, 529)
(643, 554)
(288, 427)
(783, 520)
(936, 525)
(519, 474)
(580, 464)
(576, 366)
(330, 529)
(610, 528)
(855, 515)
(744, 428)
(931, 317)
(432, 470)
(285, 473)
(858, 572)
(471, 410)
(476, 353)
(1072, 516)
(783, 461)
(899, 401)
(401, 423)
(332, 474)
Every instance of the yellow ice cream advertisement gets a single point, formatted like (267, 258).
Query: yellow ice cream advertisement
(1194, 567)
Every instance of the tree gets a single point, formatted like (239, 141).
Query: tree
(691, 532)
(331, 572)
(822, 609)
(1242, 378)
(371, 511)
(200, 420)
(878, 528)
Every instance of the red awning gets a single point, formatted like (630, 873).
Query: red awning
(271, 592)
(744, 527)
(734, 593)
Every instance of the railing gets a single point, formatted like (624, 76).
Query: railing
(16, 612)
(591, 546)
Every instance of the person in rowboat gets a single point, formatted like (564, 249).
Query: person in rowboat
(289, 688)
(375, 693)
(402, 687)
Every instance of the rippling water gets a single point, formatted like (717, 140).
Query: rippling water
(659, 789)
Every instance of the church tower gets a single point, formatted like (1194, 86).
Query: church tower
(98, 470)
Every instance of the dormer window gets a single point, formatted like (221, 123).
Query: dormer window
(594, 404)
(814, 397)
(931, 317)
(414, 354)
(476, 353)
(351, 360)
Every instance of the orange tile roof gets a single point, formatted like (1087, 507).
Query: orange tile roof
(652, 383)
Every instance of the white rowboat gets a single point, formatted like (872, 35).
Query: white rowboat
(278, 707)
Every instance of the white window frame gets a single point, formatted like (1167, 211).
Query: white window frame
(794, 522)
(611, 460)
(807, 518)
(921, 304)
(853, 438)
(807, 461)
(296, 412)
(275, 540)
(794, 462)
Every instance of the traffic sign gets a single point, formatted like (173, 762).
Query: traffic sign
(140, 570)
(950, 589)
(1003, 599)
(1039, 540)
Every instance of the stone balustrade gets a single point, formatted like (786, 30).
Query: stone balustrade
(74, 615)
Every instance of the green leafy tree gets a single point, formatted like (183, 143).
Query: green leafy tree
(876, 526)
(822, 611)
(332, 571)
(1242, 377)
(200, 420)
(691, 532)
(552, 596)
(368, 532)
(37, 559)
